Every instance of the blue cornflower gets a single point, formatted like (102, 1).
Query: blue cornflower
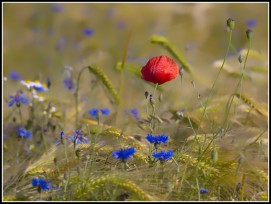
(39, 88)
(203, 191)
(41, 183)
(157, 139)
(62, 136)
(68, 83)
(163, 155)
(105, 111)
(24, 133)
(111, 12)
(251, 23)
(57, 8)
(18, 99)
(135, 113)
(94, 112)
(88, 32)
(121, 25)
(60, 45)
(124, 154)
(78, 138)
(15, 76)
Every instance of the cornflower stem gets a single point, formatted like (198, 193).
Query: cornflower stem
(147, 106)
(67, 160)
(241, 72)
(88, 157)
(198, 188)
(122, 72)
(32, 110)
(92, 159)
(20, 115)
(76, 95)
(237, 87)
(212, 89)
(242, 187)
(43, 136)
(209, 96)
(229, 106)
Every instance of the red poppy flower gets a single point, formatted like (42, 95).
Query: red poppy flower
(160, 69)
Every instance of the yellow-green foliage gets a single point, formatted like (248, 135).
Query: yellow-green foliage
(250, 102)
(114, 182)
(105, 80)
(161, 40)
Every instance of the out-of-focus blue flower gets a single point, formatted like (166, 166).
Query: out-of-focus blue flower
(111, 12)
(42, 183)
(24, 133)
(35, 85)
(124, 154)
(35, 29)
(68, 82)
(78, 138)
(163, 155)
(105, 111)
(50, 31)
(157, 139)
(203, 191)
(57, 8)
(88, 32)
(121, 25)
(95, 111)
(251, 23)
(135, 113)
(61, 43)
(15, 76)
(18, 99)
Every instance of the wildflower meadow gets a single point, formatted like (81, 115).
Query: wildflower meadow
(135, 102)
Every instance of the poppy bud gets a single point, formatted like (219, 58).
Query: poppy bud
(160, 69)
(230, 23)
(240, 59)
(146, 94)
(249, 33)
(152, 101)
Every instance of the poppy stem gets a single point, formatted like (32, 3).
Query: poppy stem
(152, 124)
(156, 85)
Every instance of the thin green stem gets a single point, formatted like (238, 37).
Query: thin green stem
(68, 165)
(76, 95)
(152, 122)
(20, 115)
(147, 106)
(43, 136)
(228, 109)
(198, 188)
(237, 87)
(212, 89)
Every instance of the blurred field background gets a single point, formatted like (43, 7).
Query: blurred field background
(40, 39)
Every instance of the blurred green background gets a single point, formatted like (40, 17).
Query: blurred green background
(41, 38)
